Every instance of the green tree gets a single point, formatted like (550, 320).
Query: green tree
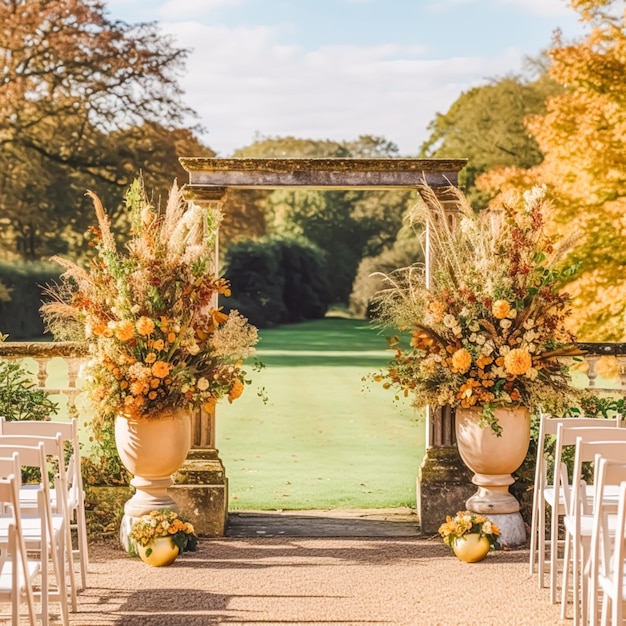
(347, 225)
(486, 125)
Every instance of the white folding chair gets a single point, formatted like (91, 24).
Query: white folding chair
(578, 520)
(44, 532)
(545, 492)
(75, 490)
(609, 475)
(18, 573)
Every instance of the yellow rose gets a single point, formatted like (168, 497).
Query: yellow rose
(517, 361)
(500, 309)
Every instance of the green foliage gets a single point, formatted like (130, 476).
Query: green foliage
(87, 103)
(257, 282)
(103, 466)
(347, 225)
(277, 280)
(19, 398)
(19, 316)
(486, 125)
(405, 251)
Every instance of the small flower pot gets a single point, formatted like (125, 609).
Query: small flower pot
(471, 548)
(161, 552)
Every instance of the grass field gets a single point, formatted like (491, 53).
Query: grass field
(324, 439)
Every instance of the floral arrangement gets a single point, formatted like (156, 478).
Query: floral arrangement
(465, 523)
(164, 523)
(488, 327)
(157, 338)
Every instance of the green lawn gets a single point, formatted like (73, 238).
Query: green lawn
(324, 439)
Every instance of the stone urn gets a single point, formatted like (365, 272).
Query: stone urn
(152, 449)
(493, 459)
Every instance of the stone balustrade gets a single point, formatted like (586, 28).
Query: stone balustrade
(73, 354)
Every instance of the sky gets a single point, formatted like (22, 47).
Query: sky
(338, 69)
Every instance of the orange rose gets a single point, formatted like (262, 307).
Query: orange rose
(125, 331)
(160, 369)
(144, 325)
(500, 309)
(517, 361)
(236, 390)
(461, 361)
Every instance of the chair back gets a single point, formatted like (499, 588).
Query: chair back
(68, 432)
(607, 529)
(591, 451)
(23, 571)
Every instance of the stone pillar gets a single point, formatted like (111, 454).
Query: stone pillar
(200, 486)
(444, 483)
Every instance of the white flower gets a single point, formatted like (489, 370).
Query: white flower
(531, 373)
(529, 323)
(193, 348)
(505, 324)
(474, 326)
(529, 335)
(534, 195)
(202, 384)
(449, 321)
(477, 339)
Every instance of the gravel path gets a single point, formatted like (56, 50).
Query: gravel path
(356, 581)
(351, 567)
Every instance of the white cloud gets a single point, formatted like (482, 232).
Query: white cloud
(541, 7)
(193, 9)
(241, 81)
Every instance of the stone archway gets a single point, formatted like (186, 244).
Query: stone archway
(201, 486)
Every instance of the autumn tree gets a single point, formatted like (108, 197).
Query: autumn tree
(584, 168)
(75, 85)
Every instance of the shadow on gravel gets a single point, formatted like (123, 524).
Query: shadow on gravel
(272, 524)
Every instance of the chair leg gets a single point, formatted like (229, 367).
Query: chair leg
(554, 533)
(541, 544)
(82, 545)
(565, 579)
(533, 535)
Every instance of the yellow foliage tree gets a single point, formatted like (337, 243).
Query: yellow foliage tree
(582, 137)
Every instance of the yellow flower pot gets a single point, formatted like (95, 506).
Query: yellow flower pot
(161, 552)
(471, 547)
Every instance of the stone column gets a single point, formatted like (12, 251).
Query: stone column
(200, 486)
(444, 482)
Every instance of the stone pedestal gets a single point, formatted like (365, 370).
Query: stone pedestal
(200, 487)
(201, 492)
(443, 486)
